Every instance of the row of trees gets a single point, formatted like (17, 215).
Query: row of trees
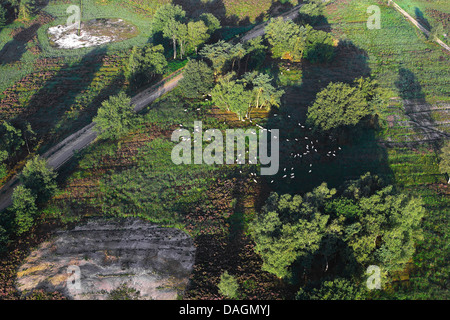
(338, 233)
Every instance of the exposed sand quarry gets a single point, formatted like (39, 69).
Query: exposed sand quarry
(153, 260)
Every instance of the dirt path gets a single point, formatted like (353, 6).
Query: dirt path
(418, 25)
(64, 151)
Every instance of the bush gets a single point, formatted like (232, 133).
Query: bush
(228, 286)
(115, 117)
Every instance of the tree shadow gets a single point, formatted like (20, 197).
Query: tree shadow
(47, 107)
(14, 49)
(421, 19)
(416, 107)
(307, 158)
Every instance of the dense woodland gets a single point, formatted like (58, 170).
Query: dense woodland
(357, 187)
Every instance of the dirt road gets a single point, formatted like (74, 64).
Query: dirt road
(64, 151)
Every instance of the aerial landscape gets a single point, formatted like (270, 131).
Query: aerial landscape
(231, 150)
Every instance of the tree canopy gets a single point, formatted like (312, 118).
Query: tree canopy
(165, 15)
(342, 229)
(287, 39)
(444, 164)
(145, 63)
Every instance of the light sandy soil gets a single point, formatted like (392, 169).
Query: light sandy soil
(93, 33)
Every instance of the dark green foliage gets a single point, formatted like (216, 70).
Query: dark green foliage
(115, 117)
(39, 179)
(211, 22)
(11, 139)
(218, 54)
(2, 17)
(198, 79)
(24, 208)
(339, 105)
(338, 289)
(156, 189)
(312, 12)
(27, 9)
(4, 238)
(319, 46)
(287, 39)
(444, 164)
(145, 64)
(165, 14)
(326, 230)
(3, 168)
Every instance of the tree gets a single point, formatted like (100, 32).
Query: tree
(197, 34)
(2, 17)
(287, 39)
(4, 238)
(319, 46)
(444, 164)
(230, 95)
(173, 30)
(27, 9)
(228, 286)
(198, 79)
(337, 289)
(338, 105)
(24, 208)
(344, 231)
(39, 179)
(286, 230)
(115, 117)
(165, 15)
